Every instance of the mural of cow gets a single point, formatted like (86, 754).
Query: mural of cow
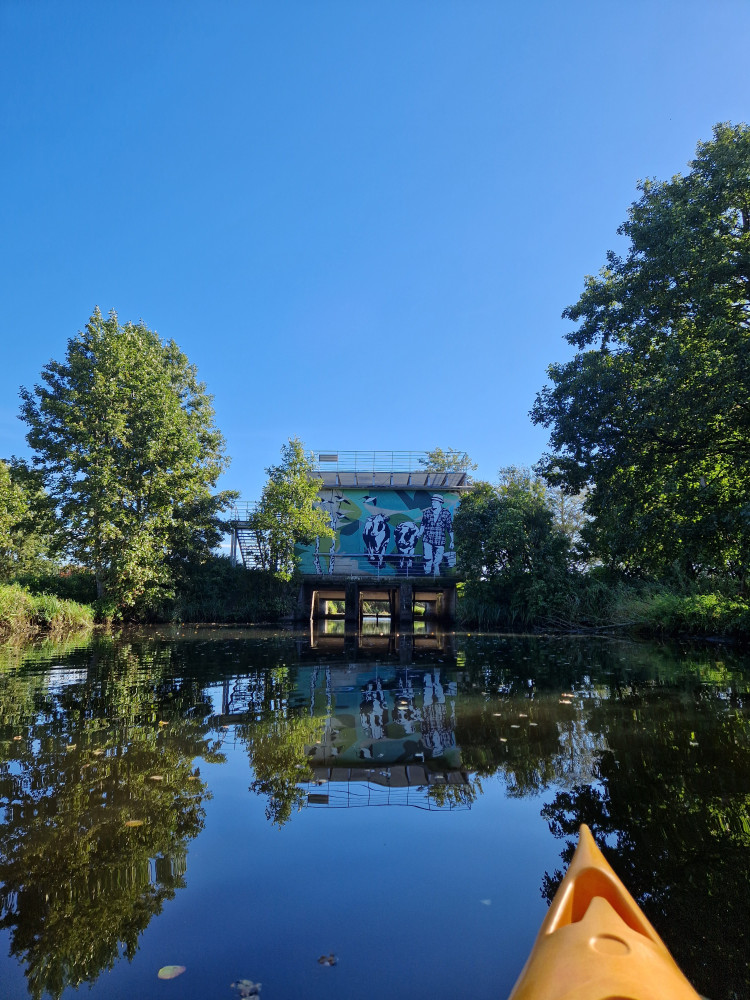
(375, 535)
(405, 535)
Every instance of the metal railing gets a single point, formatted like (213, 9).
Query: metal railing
(370, 461)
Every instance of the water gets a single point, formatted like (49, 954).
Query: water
(243, 803)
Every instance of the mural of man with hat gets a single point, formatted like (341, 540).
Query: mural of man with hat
(436, 521)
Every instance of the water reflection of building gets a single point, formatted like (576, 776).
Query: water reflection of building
(388, 730)
(379, 638)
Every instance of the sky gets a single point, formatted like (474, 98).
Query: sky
(360, 220)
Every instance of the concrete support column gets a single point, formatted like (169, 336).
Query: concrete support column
(406, 605)
(449, 604)
(351, 605)
(304, 603)
(315, 605)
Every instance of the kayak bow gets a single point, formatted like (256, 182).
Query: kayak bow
(596, 944)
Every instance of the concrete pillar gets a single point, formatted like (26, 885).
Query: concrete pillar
(406, 605)
(315, 605)
(351, 605)
(449, 604)
(304, 603)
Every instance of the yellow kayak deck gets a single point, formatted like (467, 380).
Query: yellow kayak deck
(596, 944)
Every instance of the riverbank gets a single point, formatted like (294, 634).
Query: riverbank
(590, 605)
(24, 613)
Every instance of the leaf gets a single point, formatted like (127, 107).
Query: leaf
(134, 822)
(170, 971)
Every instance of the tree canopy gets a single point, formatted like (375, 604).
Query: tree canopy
(449, 460)
(652, 414)
(509, 547)
(287, 514)
(124, 439)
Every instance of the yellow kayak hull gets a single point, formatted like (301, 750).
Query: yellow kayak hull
(596, 944)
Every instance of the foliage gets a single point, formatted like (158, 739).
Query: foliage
(26, 545)
(216, 591)
(512, 555)
(69, 583)
(124, 439)
(450, 460)
(286, 514)
(568, 514)
(22, 611)
(651, 415)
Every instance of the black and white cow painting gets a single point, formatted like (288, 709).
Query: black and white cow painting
(405, 535)
(376, 534)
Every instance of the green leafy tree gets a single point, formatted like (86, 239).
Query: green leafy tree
(651, 415)
(287, 514)
(125, 441)
(26, 543)
(509, 548)
(450, 460)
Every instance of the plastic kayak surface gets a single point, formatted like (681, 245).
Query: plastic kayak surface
(596, 944)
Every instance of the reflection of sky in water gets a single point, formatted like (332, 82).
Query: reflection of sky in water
(472, 740)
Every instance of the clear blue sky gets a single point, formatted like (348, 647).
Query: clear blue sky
(360, 220)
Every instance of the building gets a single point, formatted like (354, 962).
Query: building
(393, 539)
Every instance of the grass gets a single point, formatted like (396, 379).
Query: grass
(23, 612)
(647, 609)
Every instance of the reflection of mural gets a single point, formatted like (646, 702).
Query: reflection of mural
(393, 532)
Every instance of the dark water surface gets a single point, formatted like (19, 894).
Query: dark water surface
(242, 803)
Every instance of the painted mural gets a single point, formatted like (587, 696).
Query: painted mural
(395, 532)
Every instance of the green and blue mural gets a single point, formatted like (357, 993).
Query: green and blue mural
(397, 532)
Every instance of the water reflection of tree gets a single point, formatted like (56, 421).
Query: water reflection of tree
(276, 735)
(672, 804)
(112, 746)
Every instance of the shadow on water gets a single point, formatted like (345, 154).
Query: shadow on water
(101, 789)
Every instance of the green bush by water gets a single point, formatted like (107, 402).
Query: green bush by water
(596, 603)
(21, 611)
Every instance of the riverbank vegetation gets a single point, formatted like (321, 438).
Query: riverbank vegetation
(24, 614)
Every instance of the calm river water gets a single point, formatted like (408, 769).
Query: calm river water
(244, 803)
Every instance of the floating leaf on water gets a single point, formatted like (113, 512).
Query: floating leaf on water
(497, 713)
(134, 822)
(486, 902)
(503, 739)
(246, 987)
(693, 743)
(514, 726)
(327, 959)
(533, 723)
(522, 715)
(170, 971)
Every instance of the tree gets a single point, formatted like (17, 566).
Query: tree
(510, 550)
(652, 413)
(25, 525)
(567, 509)
(125, 442)
(451, 460)
(287, 514)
